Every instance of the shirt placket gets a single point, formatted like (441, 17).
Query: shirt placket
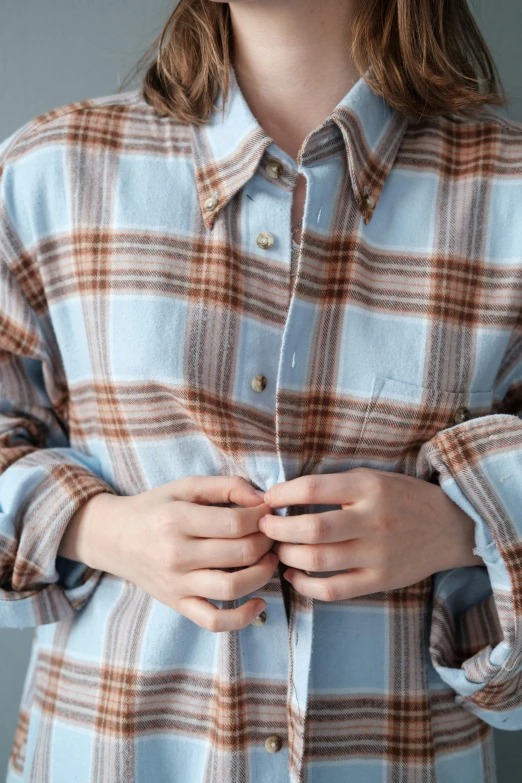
(297, 351)
(295, 345)
(300, 632)
(271, 224)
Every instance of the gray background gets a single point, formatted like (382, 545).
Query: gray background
(59, 51)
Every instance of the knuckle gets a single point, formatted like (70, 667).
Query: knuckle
(230, 587)
(236, 482)
(329, 592)
(309, 488)
(177, 488)
(236, 525)
(318, 559)
(194, 489)
(166, 518)
(377, 485)
(369, 479)
(249, 553)
(172, 559)
(232, 524)
(213, 622)
(274, 529)
(384, 522)
(190, 483)
(364, 473)
(316, 528)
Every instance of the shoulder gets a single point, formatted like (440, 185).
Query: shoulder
(488, 144)
(48, 164)
(77, 147)
(114, 122)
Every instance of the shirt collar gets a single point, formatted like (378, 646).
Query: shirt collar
(229, 148)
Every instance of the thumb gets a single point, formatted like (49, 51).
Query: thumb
(217, 490)
(244, 493)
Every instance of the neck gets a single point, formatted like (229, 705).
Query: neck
(293, 63)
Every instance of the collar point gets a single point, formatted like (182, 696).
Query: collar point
(208, 217)
(367, 201)
(366, 213)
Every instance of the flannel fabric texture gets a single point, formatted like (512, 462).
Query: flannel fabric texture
(133, 318)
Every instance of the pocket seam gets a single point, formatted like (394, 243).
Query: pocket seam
(380, 382)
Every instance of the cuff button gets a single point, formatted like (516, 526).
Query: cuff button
(460, 415)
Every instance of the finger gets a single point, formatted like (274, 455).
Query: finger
(214, 489)
(321, 557)
(340, 587)
(324, 488)
(208, 616)
(218, 522)
(224, 586)
(229, 552)
(323, 527)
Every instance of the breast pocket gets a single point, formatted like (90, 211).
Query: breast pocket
(401, 416)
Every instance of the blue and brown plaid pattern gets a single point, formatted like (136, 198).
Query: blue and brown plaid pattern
(136, 305)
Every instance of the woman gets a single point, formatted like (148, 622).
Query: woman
(261, 503)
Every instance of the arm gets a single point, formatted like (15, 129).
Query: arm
(476, 626)
(43, 481)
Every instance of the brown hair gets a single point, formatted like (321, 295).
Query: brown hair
(427, 57)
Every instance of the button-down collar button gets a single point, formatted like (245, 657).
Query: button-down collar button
(460, 415)
(258, 383)
(211, 203)
(265, 239)
(368, 199)
(273, 743)
(274, 169)
(260, 619)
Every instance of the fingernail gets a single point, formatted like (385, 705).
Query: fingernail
(259, 492)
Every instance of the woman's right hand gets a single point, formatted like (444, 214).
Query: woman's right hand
(169, 539)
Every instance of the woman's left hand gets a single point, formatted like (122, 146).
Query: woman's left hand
(392, 531)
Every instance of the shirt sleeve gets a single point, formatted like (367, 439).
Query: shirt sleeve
(475, 636)
(43, 481)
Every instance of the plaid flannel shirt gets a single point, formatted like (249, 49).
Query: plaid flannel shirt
(138, 299)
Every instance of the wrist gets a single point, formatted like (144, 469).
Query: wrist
(465, 557)
(465, 541)
(86, 536)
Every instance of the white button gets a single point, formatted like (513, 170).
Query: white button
(368, 199)
(273, 169)
(259, 620)
(211, 203)
(265, 239)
